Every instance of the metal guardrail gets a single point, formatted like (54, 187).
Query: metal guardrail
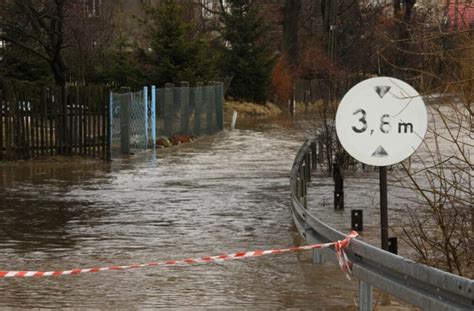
(414, 283)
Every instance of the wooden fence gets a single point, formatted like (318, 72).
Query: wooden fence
(50, 121)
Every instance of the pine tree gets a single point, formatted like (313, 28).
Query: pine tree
(18, 64)
(246, 56)
(177, 54)
(117, 68)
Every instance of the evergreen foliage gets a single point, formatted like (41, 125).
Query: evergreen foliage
(117, 68)
(176, 52)
(18, 64)
(246, 56)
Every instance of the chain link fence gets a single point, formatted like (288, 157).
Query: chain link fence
(138, 118)
(130, 114)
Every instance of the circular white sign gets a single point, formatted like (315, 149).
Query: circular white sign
(381, 121)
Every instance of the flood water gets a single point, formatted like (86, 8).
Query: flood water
(218, 194)
(362, 192)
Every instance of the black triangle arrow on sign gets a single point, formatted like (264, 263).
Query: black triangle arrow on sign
(382, 90)
(380, 152)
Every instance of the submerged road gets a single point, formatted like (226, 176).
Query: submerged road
(224, 193)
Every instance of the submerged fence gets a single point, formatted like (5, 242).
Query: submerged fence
(138, 118)
(88, 120)
(49, 121)
(129, 115)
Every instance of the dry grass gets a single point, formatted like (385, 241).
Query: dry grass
(250, 109)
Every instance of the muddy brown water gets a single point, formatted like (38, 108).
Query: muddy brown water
(223, 193)
(219, 194)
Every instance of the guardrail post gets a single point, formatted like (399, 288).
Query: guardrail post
(303, 185)
(314, 159)
(305, 197)
(298, 188)
(357, 220)
(317, 256)
(321, 149)
(307, 165)
(365, 296)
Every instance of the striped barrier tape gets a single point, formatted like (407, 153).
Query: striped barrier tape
(339, 248)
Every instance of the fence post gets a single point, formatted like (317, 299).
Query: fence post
(145, 104)
(153, 116)
(125, 122)
(210, 111)
(192, 109)
(168, 108)
(197, 99)
(109, 126)
(219, 100)
(184, 104)
(365, 296)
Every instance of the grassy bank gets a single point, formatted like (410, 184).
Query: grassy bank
(250, 109)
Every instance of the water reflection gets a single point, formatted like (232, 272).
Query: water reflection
(228, 192)
(37, 205)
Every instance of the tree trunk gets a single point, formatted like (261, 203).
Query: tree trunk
(291, 12)
(396, 7)
(409, 4)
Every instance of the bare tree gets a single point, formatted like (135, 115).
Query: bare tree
(439, 228)
(37, 27)
(291, 11)
(89, 31)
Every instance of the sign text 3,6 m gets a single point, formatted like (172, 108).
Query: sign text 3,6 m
(385, 126)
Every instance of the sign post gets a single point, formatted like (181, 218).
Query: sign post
(383, 207)
(381, 121)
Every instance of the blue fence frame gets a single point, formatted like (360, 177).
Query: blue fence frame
(181, 110)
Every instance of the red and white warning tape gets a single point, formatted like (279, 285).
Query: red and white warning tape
(339, 247)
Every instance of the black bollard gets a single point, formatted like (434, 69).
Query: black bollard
(357, 220)
(393, 245)
(338, 188)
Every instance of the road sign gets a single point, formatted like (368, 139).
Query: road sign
(381, 121)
